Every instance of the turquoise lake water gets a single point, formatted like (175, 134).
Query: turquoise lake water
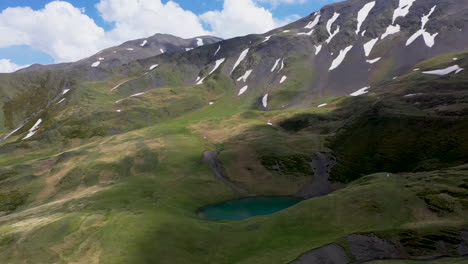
(247, 207)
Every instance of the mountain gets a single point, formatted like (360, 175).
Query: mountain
(359, 109)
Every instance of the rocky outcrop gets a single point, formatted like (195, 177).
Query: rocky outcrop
(321, 165)
(407, 244)
(212, 160)
(366, 247)
(329, 254)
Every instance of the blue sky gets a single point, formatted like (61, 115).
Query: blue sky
(43, 39)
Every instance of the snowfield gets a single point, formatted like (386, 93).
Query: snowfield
(240, 59)
(33, 130)
(361, 91)
(339, 59)
(368, 46)
(362, 15)
(265, 100)
(245, 76)
(429, 39)
(454, 68)
(243, 90)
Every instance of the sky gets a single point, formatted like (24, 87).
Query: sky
(45, 31)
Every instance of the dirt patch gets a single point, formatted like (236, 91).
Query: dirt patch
(211, 158)
(51, 206)
(322, 166)
(51, 181)
(329, 254)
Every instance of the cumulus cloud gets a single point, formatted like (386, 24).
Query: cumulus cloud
(142, 18)
(60, 29)
(240, 17)
(7, 66)
(66, 33)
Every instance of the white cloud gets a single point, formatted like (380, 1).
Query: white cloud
(142, 18)
(240, 17)
(7, 66)
(66, 33)
(60, 30)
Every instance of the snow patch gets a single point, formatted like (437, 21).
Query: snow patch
(363, 33)
(117, 86)
(200, 42)
(361, 91)
(318, 49)
(374, 60)
(429, 39)
(240, 59)
(143, 43)
(211, 103)
(391, 30)
(95, 64)
(282, 65)
(130, 49)
(245, 76)
(243, 90)
(65, 91)
(161, 50)
(402, 9)
(329, 26)
(217, 64)
(368, 46)
(188, 49)
(313, 23)
(33, 129)
(153, 67)
(339, 59)
(118, 111)
(100, 58)
(322, 105)
(454, 68)
(417, 69)
(276, 65)
(265, 100)
(266, 39)
(283, 79)
(137, 94)
(363, 13)
(269, 123)
(455, 59)
(411, 95)
(306, 33)
(216, 52)
(61, 101)
(286, 31)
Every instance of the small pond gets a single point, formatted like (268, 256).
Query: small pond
(246, 207)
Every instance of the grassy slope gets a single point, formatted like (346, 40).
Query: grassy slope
(132, 197)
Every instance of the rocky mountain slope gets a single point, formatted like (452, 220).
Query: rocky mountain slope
(361, 107)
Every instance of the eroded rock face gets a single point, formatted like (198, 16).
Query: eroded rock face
(463, 247)
(211, 158)
(322, 166)
(329, 254)
(370, 247)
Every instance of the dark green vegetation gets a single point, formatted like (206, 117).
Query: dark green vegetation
(109, 187)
